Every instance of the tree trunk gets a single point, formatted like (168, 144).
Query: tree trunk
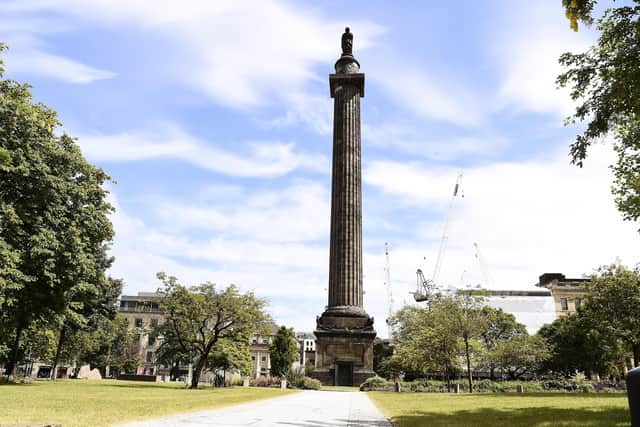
(13, 362)
(195, 377)
(466, 348)
(492, 374)
(58, 349)
(636, 355)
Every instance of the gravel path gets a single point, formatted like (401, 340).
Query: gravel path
(304, 409)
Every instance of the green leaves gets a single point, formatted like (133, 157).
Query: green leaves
(199, 318)
(54, 219)
(283, 351)
(605, 81)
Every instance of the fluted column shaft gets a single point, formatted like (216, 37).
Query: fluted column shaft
(345, 252)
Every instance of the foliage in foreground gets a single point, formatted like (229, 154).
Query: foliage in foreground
(54, 227)
(605, 83)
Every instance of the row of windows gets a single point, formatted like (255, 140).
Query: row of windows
(564, 303)
(264, 358)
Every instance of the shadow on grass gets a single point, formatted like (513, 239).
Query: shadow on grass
(535, 416)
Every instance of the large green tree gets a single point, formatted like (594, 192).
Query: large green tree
(283, 351)
(200, 317)
(54, 217)
(612, 305)
(605, 83)
(576, 344)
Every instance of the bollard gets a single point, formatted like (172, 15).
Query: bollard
(245, 382)
(520, 388)
(456, 388)
(633, 393)
(283, 384)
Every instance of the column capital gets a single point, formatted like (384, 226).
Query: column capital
(338, 80)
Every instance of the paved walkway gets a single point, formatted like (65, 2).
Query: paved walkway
(304, 409)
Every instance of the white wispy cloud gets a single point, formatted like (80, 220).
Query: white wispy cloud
(421, 93)
(169, 141)
(410, 138)
(527, 44)
(240, 54)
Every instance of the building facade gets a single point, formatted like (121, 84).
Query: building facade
(567, 293)
(143, 313)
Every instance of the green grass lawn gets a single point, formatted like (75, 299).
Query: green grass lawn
(505, 410)
(103, 403)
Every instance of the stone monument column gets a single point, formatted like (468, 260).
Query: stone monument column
(344, 332)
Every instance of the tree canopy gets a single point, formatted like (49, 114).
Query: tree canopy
(54, 220)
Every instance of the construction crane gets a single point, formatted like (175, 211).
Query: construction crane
(387, 284)
(483, 266)
(424, 286)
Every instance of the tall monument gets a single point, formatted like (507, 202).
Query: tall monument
(344, 332)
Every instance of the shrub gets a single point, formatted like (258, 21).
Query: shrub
(311, 384)
(376, 383)
(296, 377)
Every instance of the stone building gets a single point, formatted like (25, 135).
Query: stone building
(306, 349)
(143, 313)
(259, 348)
(567, 294)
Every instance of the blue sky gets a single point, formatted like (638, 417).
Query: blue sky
(214, 119)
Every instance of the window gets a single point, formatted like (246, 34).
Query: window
(154, 322)
(152, 340)
(149, 356)
(577, 302)
(255, 340)
(563, 304)
(253, 358)
(264, 358)
(138, 323)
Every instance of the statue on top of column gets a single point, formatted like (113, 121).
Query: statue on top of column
(347, 42)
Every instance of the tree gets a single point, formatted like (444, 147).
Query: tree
(382, 351)
(283, 351)
(521, 355)
(577, 345)
(427, 340)
(469, 320)
(498, 327)
(605, 81)
(230, 356)
(54, 217)
(198, 318)
(612, 304)
(87, 305)
(111, 344)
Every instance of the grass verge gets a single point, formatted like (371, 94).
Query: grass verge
(495, 409)
(79, 403)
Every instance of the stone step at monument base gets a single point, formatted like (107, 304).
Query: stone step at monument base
(328, 377)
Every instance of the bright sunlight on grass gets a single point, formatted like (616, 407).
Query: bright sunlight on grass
(75, 403)
(493, 409)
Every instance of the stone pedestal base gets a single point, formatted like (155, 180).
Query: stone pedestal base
(344, 347)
